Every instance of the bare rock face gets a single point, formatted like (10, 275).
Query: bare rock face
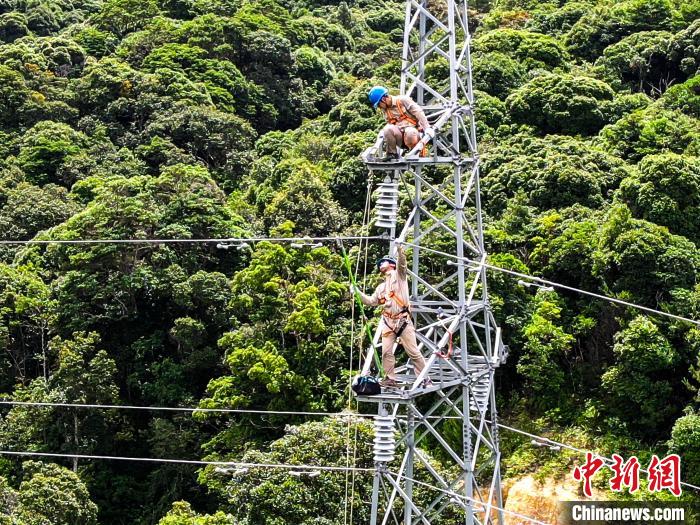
(540, 501)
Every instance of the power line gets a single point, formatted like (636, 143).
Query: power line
(357, 237)
(296, 413)
(578, 450)
(555, 284)
(483, 505)
(182, 409)
(241, 465)
(192, 241)
(236, 464)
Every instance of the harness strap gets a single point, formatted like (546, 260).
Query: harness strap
(403, 115)
(403, 313)
(396, 298)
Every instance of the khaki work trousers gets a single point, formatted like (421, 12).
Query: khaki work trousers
(408, 341)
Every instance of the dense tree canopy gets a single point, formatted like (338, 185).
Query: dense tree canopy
(225, 119)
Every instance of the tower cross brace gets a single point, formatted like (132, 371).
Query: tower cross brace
(455, 327)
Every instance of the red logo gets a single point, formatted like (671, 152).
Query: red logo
(587, 471)
(663, 473)
(625, 474)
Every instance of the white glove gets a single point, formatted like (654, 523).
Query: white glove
(353, 289)
(429, 132)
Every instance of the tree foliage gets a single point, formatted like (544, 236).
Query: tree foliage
(226, 119)
(561, 104)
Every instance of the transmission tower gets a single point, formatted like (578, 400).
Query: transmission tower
(455, 328)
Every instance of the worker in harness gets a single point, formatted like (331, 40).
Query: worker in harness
(396, 321)
(406, 122)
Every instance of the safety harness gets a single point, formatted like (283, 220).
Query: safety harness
(405, 115)
(402, 315)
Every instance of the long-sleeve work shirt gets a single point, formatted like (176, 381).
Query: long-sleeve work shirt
(394, 115)
(392, 293)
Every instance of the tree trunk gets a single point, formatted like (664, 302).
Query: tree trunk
(75, 440)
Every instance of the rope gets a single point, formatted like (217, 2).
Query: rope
(346, 511)
(361, 306)
(365, 222)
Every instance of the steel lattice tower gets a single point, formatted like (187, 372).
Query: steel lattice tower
(451, 311)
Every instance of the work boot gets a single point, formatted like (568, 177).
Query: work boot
(389, 157)
(387, 382)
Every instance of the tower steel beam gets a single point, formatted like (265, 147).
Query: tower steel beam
(456, 417)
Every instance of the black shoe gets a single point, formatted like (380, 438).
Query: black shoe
(389, 157)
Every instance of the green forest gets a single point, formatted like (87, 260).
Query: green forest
(198, 119)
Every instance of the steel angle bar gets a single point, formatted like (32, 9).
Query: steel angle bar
(455, 408)
(453, 364)
(406, 47)
(424, 433)
(463, 26)
(474, 237)
(480, 438)
(369, 358)
(408, 225)
(438, 323)
(441, 188)
(449, 201)
(444, 282)
(434, 47)
(429, 15)
(388, 477)
(441, 496)
(470, 183)
(392, 498)
(435, 292)
(447, 148)
(411, 25)
(428, 32)
(475, 282)
(431, 469)
(460, 502)
(416, 80)
(406, 499)
(470, 145)
(437, 223)
(489, 437)
(391, 509)
(425, 86)
(476, 337)
(430, 418)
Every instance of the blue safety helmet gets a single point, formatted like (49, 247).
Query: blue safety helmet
(387, 258)
(376, 94)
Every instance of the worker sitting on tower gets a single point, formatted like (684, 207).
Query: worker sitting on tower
(396, 322)
(406, 122)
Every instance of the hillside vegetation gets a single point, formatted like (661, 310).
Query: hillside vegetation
(192, 119)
